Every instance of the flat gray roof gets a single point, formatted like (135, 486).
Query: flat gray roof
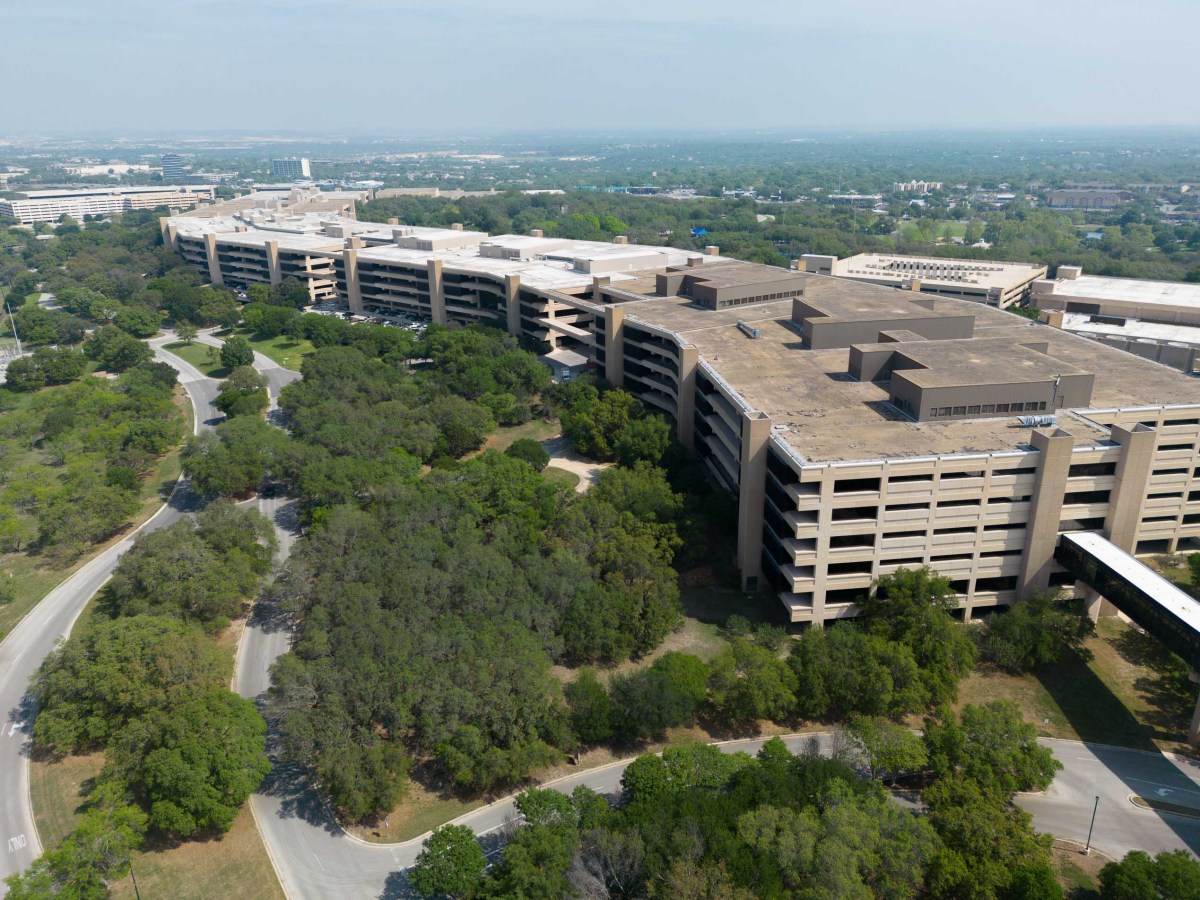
(826, 416)
(1130, 290)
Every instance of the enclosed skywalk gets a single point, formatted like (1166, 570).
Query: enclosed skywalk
(1162, 609)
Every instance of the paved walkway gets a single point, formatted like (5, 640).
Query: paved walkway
(563, 457)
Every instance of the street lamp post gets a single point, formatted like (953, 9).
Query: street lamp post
(1088, 847)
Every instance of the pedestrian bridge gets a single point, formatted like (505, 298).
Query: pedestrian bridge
(1165, 611)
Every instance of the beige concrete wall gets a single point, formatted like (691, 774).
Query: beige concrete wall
(756, 431)
(437, 292)
(1045, 512)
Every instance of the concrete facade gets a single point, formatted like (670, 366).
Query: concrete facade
(30, 207)
(819, 410)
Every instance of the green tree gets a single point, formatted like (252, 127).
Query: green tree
(195, 764)
(138, 321)
(889, 748)
(530, 451)
(643, 440)
(747, 683)
(243, 393)
(990, 745)
(186, 332)
(1036, 631)
(115, 671)
(450, 863)
(115, 350)
(236, 351)
(591, 708)
(1167, 876)
(912, 607)
(91, 857)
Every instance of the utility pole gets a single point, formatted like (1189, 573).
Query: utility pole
(13, 323)
(1087, 850)
(136, 892)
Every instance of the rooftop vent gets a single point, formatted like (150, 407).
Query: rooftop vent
(749, 330)
(1035, 421)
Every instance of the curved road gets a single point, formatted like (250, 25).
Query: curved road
(36, 635)
(315, 858)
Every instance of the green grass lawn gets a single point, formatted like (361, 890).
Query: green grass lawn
(1132, 692)
(286, 351)
(535, 429)
(561, 477)
(198, 356)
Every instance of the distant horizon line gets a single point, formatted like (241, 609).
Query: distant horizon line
(485, 133)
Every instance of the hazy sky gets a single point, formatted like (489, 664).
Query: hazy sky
(457, 66)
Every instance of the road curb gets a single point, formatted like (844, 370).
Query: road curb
(37, 838)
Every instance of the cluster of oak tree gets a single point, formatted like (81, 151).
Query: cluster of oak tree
(697, 822)
(144, 681)
(73, 458)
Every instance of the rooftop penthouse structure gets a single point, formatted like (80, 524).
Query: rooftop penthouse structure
(999, 284)
(860, 428)
(1158, 320)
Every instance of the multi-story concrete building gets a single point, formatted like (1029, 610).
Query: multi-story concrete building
(1158, 320)
(861, 428)
(999, 284)
(1087, 198)
(292, 167)
(172, 167)
(29, 207)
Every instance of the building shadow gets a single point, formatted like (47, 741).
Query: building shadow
(1092, 710)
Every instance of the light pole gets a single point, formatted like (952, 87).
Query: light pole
(136, 892)
(1088, 847)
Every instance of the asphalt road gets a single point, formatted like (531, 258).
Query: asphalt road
(36, 635)
(316, 859)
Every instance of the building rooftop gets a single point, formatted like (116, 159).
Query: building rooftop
(1133, 329)
(1131, 290)
(825, 415)
(933, 270)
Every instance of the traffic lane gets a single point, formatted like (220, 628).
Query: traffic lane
(36, 635)
(1114, 774)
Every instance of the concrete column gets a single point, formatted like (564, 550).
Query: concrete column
(614, 345)
(1129, 486)
(437, 293)
(353, 288)
(214, 263)
(685, 425)
(276, 273)
(756, 430)
(1054, 463)
(512, 302)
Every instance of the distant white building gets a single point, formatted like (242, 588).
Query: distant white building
(916, 187)
(29, 207)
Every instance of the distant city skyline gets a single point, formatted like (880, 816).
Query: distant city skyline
(414, 66)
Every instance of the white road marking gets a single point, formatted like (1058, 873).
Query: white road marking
(12, 729)
(17, 843)
(1167, 786)
(319, 863)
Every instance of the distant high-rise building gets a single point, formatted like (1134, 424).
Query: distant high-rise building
(172, 166)
(292, 167)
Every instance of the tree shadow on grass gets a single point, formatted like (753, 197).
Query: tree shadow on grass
(1093, 711)
(1168, 691)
